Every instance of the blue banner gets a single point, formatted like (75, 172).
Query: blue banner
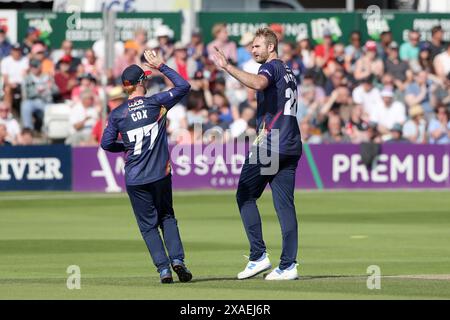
(36, 168)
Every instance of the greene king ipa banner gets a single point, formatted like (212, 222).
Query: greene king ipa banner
(307, 24)
(86, 28)
(321, 167)
(313, 24)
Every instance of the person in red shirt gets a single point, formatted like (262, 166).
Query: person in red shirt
(180, 62)
(324, 52)
(116, 97)
(64, 79)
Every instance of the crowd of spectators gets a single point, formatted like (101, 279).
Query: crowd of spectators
(377, 91)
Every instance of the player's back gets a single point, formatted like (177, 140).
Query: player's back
(141, 122)
(277, 107)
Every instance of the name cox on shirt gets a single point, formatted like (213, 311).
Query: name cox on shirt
(139, 115)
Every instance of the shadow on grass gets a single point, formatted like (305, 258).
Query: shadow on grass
(261, 277)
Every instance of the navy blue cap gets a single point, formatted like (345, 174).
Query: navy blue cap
(134, 74)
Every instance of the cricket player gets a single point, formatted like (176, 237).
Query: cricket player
(141, 122)
(276, 118)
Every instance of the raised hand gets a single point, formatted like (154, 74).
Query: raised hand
(153, 60)
(220, 58)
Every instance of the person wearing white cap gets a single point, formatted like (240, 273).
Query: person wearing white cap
(164, 35)
(245, 49)
(305, 51)
(181, 63)
(393, 112)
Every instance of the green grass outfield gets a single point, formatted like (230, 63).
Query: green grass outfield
(407, 234)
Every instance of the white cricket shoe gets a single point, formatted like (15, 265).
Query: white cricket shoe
(254, 268)
(288, 274)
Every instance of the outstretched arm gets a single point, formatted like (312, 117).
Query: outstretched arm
(253, 81)
(181, 87)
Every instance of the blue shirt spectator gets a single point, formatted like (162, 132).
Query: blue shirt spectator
(439, 128)
(5, 45)
(410, 50)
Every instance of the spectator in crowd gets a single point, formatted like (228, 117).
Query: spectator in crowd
(3, 135)
(292, 60)
(304, 51)
(335, 80)
(335, 134)
(415, 128)
(129, 57)
(409, 51)
(197, 110)
(64, 79)
(316, 93)
(38, 52)
(181, 62)
(436, 44)
(372, 135)
(244, 52)
(26, 137)
(221, 102)
(38, 92)
(425, 61)
(368, 96)
(214, 122)
(392, 113)
(397, 134)
(311, 99)
(141, 38)
(354, 51)
(90, 64)
(241, 125)
(439, 127)
(324, 52)
(383, 46)
(369, 64)
(87, 82)
(31, 38)
(396, 67)
(419, 92)
(164, 36)
(12, 125)
(278, 29)
(442, 63)
(222, 42)
(443, 92)
(116, 96)
(357, 125)
(14, 69)
(83, 117)
(5, 45)
(307, 133)
(177, 122)
(340, 61)
(67, 50)
(196, 49)
(339, 103)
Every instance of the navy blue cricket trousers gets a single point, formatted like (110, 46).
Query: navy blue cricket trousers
(152, 206)
(251, 186)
